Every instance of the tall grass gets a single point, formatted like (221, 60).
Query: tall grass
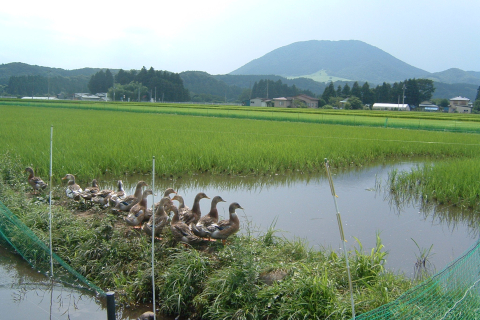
(449, 183)
(90, 143)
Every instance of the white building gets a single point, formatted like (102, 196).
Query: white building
(391, 106)
(259, 102)
(460, 105)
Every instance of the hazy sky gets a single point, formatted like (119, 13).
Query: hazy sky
(219, 36)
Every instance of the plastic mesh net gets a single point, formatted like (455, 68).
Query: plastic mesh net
(37, 253)
(453, 293)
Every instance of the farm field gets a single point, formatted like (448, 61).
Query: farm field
(91, 142)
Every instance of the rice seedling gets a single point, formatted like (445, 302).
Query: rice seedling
(123, 143)
(423, 266)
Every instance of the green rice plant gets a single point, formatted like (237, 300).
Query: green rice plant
(423, 266)
(367, 267)
(124, 143)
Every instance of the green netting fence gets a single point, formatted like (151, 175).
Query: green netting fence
(37, 253)
(453, 293)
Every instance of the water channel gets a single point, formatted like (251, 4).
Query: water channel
(300, 206)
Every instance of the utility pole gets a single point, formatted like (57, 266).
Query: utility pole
(403, 99)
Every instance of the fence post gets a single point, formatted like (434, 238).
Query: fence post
(110, 305)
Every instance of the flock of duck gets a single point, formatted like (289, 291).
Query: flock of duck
(187, 224)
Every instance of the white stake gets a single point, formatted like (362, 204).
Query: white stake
(153, 236)
(342, 236)
(50, 201)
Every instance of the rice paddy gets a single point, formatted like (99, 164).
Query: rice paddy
(89, 143)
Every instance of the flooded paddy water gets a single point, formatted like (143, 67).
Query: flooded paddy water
(300, 206)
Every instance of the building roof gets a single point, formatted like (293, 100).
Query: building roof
(460, 98)
(391, 105)
(304, 96)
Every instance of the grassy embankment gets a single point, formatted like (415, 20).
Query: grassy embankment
(209, 281)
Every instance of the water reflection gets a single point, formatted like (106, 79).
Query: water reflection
(27, 294)
(302, 207)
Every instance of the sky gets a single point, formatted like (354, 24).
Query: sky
(220, 36)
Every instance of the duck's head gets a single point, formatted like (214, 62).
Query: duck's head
(141, 184)
(29, 170)
(94, 183)
(217, 199)
(201, 195)
(69, 176)
(177, 197)
(147, 193)
(168, 192)
(234, 206)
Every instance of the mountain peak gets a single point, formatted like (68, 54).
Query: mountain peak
(346, 59)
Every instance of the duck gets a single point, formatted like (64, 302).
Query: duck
(73, 190)
(36, 182)
(129, 201)
(102, 197)
(137, 212)
(118, 195)
(90, 192)
(225, 228)
(204, 227)
(161, 217)
(181, 232)
(166, 193)
(191, 216)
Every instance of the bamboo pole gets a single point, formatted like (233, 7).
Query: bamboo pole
(50, 203)
(153, 237)
(342, 235)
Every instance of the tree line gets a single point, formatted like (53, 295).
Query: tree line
(146, 85)
(415, 90)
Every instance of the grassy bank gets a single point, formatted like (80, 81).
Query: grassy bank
(89, 143)
(452, 186)
(209, 281)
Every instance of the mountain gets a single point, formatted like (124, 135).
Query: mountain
(332, 60)
(454, 75)
(23, 69)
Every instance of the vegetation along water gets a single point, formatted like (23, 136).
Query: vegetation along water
(216, 281)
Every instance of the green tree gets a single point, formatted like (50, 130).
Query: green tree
(335, 102)
(476, 106)
(356, 91)
(329, 92)
(297, 103)
(346, 91)
(354, 103)
(130, 91)
(425, 89)
(478, 94)
(368, 96)
(382, 93)
(339, 91)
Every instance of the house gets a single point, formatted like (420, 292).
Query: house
(259, 102)
(90, 97)
(289, 102)
(428, 106)
(460, 105)
(391, 106)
